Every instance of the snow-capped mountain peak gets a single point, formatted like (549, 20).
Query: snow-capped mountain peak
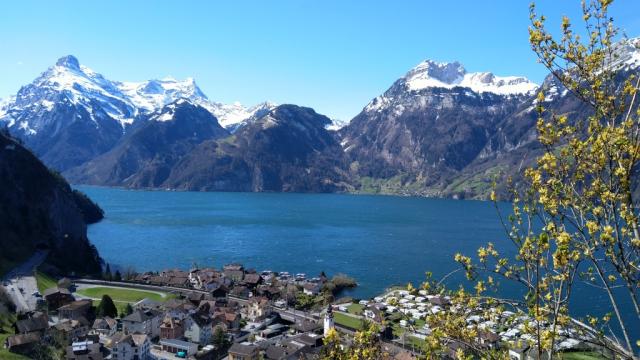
(336, 124)
(431, 74)
(434, 74)
(234, 116)
(167, 113)
(151, 95)
(68, 83)
(626, 54)
(69, 61)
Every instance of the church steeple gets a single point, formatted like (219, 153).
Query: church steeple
(328, 320)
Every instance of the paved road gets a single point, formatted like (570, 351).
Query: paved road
(27, 267)
(295, 315)
(21, 284)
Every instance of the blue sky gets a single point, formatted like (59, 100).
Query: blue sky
(332, 55)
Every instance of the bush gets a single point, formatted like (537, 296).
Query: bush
(342, 281)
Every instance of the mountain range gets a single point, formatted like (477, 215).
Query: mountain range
(437, 131)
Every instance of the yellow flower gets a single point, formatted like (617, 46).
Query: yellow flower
(592, 227)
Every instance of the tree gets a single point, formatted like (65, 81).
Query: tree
(451, 326)
(107, 273)
(342, 281)
(6, 303)
(366, 345)
(128, 310)
(117, 276)
(332, 348)
(219, 338)
(412, 290)
(575, 218)
(304, 301)
(291, 294)
(129, 273)
(106, 307)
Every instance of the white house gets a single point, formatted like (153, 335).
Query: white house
(198, 329)
(104, 327)
(143, 322)
(311, 289)
(258, 309)
(132, 346)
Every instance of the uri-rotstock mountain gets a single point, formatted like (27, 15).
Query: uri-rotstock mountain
(70, 114)
(441, 131)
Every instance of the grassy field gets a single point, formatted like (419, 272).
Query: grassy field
(121, 306)
(44, 281)
(355, 309)
(409, 340)
(5, 331)
(581, 355)
(123, 295)
(348, 321)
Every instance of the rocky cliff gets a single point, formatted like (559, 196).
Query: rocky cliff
(39, 210)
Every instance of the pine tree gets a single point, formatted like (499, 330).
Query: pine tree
(106, 307)
(107, 273)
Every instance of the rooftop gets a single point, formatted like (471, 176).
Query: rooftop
(242, 349)
(177, 343)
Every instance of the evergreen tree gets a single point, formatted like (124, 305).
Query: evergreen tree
(106, 307)
(107, 273)
(117, 276)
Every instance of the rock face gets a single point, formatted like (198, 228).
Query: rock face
(145, 156)
(183, 147)
(430, 125)
(440, 131)
(39, 210)
(288, 149)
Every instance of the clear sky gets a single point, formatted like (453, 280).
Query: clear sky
(332, 55)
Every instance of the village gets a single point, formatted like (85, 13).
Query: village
(237, 313)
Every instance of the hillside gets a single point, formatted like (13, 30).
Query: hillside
(39, 210)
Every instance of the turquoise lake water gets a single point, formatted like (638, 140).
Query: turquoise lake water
(378, 240)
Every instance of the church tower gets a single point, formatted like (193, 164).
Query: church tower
(328, 320)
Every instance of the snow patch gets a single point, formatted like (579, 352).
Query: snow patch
(337, 124)
(430, 74)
